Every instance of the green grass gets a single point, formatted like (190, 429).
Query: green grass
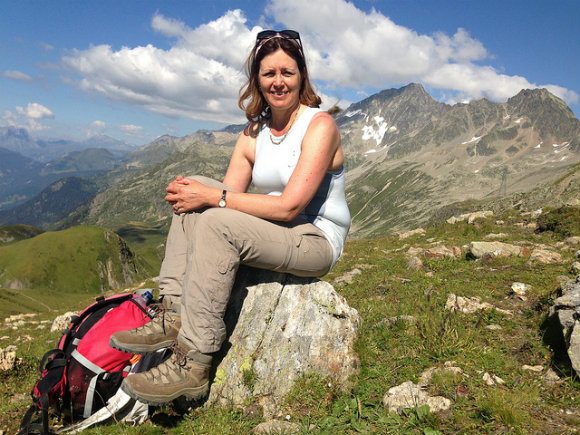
(76, 260)
(395, 352)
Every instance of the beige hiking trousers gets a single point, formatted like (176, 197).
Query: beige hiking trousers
(202, 255)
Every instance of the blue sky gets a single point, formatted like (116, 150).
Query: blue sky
(138, 69)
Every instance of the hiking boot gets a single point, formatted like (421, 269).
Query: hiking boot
(184, 373)
(159, 333)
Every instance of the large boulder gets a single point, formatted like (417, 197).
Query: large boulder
(281, 327)
(495, 249)
(566, 310)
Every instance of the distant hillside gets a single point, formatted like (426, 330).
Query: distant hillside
(18, 140)
(15, 233)
(54, 203)
(84, 161)
(80, 259)
(19, 178)
(138, 194)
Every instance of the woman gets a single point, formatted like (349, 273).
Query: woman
(296, 223)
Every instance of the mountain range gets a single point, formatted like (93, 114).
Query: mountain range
(408, 157)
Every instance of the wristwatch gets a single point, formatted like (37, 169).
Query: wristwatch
(222, 201)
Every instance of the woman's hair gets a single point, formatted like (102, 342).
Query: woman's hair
(251, 99)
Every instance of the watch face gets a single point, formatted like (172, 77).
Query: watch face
(222, 203)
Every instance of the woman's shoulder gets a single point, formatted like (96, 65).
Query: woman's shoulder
(322, 119)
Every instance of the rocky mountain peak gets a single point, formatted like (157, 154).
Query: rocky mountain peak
(530, 99)
(547, 113)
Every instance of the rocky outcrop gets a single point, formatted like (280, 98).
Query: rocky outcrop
(282, 327)
(566, 310)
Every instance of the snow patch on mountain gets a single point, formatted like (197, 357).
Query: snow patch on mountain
(377, 129)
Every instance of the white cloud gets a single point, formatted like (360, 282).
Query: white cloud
(200, 75)
(28, 117)
(35, 111)
(16, 75)
(95, 128)
(131, 129)
(349, 47)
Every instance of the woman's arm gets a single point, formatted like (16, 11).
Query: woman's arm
(319, 147)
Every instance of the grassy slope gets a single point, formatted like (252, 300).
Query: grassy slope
(68, 261)
(392, 354)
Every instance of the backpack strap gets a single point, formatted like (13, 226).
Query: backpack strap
(88, 408)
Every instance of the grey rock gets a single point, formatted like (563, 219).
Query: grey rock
(282, 327)
(573, 240)
(494, 249)
(566, 318)
(61, 322)
(414, 263)
(8, 358)
(469, 305)
(575, 268)
(470, 217)
(566, 310)
(415, 232)
(410, 395)
(545, 256)
(574, 347)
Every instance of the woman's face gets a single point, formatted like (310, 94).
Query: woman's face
(280, 80)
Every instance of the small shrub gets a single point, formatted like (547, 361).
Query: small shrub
(564, 221)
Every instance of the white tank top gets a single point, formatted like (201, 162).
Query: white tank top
(273, 166)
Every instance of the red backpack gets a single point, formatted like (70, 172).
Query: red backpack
(83, 372)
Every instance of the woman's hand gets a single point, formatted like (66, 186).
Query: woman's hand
(186, 194)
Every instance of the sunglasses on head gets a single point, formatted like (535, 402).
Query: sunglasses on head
(266, 35)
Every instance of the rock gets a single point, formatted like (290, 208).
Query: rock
(281, 327)
(61, 322)
(471, 217)
(536, 369)
(410, 395)
(7, 358)
(347, 277)
(494, 327)
(277, 427)
(414, 263)
(566, 311)
(575, 268)
(413, 251)
(572, 241)
(442, 251)
(469, 305)
(519, 289)
(492, 379)
(574, 347)
(494, 236)
(495, 249)
(551, 377)
(415, 232)
(545, 256)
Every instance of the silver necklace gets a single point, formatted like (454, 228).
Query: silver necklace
(277, 140)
